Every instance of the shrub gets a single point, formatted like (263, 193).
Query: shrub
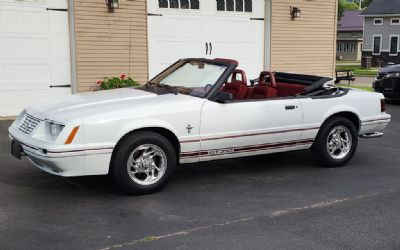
(117, 82)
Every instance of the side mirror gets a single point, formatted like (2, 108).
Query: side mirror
(223, 97)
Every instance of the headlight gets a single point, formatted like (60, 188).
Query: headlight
(393, 75)
(54, 129)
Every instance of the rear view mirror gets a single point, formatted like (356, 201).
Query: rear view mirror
(223, 97)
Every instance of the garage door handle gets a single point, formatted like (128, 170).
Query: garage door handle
(210, 48)
(61, 86)
(152, 14)
(206, 48)
(56, 9)
(256, 18)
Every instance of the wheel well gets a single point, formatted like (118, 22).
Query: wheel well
(170, 136)
(351, 116)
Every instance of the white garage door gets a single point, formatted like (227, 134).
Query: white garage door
(206, 28)
(34, 52)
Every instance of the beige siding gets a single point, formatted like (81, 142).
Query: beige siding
(306, 44)
(110, 44)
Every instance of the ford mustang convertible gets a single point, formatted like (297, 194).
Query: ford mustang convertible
(196, 110)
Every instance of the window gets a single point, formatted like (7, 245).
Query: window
(176, 4)
(395, 21)
(248, 6)
(221, 5)
(235, 5)
(230, 5)
(394, 45)
(163, 3)
(377, 44)
(378, 21)
(239, 5)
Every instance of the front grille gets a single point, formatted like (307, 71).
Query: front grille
(28, 124)
(381, 75)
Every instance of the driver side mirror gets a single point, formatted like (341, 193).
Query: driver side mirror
(223, 97)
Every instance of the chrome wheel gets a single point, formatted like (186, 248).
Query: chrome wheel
(339, 142)
(147, 164)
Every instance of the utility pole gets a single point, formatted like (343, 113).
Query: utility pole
(359, 5)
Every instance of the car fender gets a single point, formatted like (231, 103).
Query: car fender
(142, 124)
(339, 109)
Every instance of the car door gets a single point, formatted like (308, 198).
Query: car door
(251, 127)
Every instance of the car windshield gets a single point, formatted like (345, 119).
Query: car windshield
(193, 77)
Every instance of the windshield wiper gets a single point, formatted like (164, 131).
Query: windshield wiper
(170, 88)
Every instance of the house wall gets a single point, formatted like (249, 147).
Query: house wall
(306, 44)
(385, 30)
(110, 44)
(354, 37)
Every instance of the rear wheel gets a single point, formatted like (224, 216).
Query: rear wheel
(336, 142)
(142, 163)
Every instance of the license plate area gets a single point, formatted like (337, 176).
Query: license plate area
(16, 149)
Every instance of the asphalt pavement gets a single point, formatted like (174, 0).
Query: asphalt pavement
(281, 201)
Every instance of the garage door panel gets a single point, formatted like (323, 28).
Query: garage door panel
(180, 33)
(31, 21)
(34, 53)
(185, 27)
(24, 47)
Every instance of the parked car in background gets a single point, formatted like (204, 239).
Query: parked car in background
(195, 110)
(387, 82)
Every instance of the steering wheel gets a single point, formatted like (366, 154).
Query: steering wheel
(207, 87)
(268, 76)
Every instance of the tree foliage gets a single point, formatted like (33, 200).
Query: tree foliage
(351, 5)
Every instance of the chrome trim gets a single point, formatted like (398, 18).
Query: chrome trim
(372, 135)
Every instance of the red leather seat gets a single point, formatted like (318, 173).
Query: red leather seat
(237, 87)
(263, 90)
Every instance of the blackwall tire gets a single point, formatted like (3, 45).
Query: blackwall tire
(142, 163)
(336, 142)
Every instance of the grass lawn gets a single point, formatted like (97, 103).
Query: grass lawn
(358, 71)
(356, 87)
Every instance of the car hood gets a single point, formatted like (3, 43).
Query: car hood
(390, 69)
(67, 108)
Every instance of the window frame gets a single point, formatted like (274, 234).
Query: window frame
(390, 44)
(180, 9)
(234, 11)
(394, 18)
(373, 44)
(376, 19)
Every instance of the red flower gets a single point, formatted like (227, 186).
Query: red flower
(123, 77)
(98, 83)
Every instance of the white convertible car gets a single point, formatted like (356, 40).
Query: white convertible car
(195, 110)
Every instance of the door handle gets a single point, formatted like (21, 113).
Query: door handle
(206, 48)
(210, 48)
(290, 107)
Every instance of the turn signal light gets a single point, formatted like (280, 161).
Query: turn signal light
(383, 106)
(72, 135)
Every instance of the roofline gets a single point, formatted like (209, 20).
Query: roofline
(380, 15)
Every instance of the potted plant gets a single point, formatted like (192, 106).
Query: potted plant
(116, 82)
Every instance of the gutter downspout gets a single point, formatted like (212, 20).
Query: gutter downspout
(72, 42)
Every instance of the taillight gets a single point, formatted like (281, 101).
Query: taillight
(383, 106)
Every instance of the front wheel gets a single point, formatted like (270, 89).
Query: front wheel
(336, 142)
(142, 163)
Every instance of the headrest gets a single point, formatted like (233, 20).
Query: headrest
(243, 79)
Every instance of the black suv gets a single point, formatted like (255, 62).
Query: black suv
(387, 82)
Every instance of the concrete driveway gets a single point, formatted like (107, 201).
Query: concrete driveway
(282, 201)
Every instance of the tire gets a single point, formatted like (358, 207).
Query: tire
(333, 151)
(142, 163)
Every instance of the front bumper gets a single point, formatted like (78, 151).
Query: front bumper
(66, 161)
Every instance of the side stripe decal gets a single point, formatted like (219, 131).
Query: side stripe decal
(254, 134)
(248, 148)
